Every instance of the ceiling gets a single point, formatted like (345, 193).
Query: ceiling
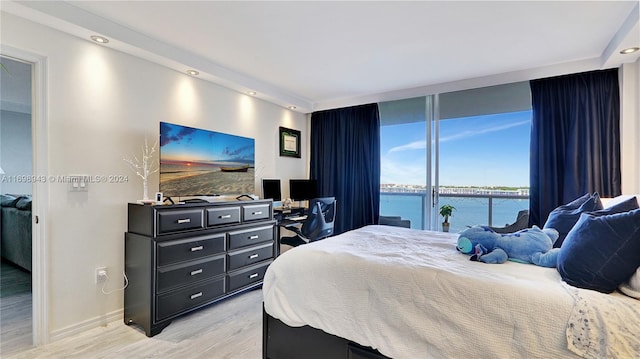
(319, 54)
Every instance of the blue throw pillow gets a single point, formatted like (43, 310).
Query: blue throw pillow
(564, 217)
(578, 201)
(624, 206)
(601, 251)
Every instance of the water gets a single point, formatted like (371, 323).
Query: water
(468, 212)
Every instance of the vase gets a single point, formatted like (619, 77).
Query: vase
(145, 189)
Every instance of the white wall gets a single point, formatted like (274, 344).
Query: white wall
(15, 151)
(630, 127)
(101, 105)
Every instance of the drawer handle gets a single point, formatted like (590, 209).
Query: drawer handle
(256, 213)
(254, 275)
(253, 256)
(253, 237)
(225, 216)
(198, 248)
(194, 296)
(198, 271)
(186, 220)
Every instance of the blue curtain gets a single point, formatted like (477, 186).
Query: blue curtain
(345, 160)
(575, 140)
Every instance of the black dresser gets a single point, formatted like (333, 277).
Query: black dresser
(179, 258)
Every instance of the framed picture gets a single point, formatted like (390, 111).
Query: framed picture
(289, 142)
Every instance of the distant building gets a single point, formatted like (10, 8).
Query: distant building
(481, 191)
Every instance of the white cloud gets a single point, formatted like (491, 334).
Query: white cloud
(417, 145)
(403, 173)
(467, 134)
(420, 145)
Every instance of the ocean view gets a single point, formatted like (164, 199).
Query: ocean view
(469, 211)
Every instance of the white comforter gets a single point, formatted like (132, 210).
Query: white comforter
(409, 294)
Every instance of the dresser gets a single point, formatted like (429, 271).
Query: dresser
(180, 258)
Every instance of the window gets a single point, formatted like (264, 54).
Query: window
(479, 156)
(485, 158)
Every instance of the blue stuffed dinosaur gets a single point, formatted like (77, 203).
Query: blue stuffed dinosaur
(531, 245)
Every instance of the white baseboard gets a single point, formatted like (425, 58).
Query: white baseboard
(88, 324)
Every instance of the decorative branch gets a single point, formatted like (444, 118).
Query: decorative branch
(145, 167)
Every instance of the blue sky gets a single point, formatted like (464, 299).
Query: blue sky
(490, 150)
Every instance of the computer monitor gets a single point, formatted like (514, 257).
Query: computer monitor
(271, 189)
(303, 189)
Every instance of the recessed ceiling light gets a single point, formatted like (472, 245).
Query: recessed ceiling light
(193, 72)
(100, 39)
(291, 107)
(252, 93)
(630, 50)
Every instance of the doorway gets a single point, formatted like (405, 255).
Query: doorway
(24, 94)
(16, 163)
(409, 160)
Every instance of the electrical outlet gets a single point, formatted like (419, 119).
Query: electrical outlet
(101, 275)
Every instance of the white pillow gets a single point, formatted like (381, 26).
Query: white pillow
(632, 287)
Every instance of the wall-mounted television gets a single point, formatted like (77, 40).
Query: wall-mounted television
(303, 189)
(198, 162)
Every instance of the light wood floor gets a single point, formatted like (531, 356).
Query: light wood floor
(229, 329)
(15, 309)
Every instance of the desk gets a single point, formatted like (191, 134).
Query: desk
(281, 214)
(289, 222)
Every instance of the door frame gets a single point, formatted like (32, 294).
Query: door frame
(432, 181)
(40, 191)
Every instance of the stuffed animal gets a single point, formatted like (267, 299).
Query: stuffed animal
(531, 245)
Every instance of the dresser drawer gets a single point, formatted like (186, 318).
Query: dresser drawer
(245, 277)
(178, 275)
(224, 215)
(181, 250)
(249, 256)
(173, 303)
(180, 220)
(256, 212)
(250, 237)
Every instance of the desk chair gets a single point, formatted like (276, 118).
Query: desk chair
(522, 222)
(396, 221)
(318, 225)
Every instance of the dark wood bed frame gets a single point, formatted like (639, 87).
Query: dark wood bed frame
(280, 341)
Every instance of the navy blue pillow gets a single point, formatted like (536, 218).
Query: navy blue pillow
(564, 217)
(624, 206)
(601, 251)
(578, 201)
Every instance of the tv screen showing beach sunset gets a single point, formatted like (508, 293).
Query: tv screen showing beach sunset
(197, 162)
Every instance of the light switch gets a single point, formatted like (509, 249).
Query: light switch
(78, 183)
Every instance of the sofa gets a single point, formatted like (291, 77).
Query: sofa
(15, 239)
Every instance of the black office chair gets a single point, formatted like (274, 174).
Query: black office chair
(522, 222)
(396, 221)
(318, 225)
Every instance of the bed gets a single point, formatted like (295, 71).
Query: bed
(392, 292)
